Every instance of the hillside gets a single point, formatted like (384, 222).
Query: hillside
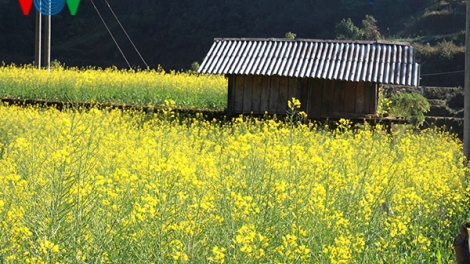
(439, 37)
(176, 33)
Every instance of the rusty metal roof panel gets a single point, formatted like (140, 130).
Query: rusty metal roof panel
(370, 61)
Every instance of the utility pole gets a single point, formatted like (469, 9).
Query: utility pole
(47, 47)
(38, 46)
(48, 43)
(52, 8)
(466, 114)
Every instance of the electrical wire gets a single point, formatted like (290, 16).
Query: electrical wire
(441, 73)
(119, 22)
(109, 31)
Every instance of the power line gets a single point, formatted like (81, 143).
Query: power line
(109, 31)
(442, 73)
(119, 22)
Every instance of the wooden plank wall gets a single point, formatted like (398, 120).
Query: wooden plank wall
(260, 94)
(315, 86)
(320, 98)
(336, 99)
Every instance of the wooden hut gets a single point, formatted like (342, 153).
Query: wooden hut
(331, 78)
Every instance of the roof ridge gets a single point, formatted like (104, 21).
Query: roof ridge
(383, 42)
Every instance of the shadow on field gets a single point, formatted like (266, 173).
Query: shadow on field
(452, 125)
(61, 105)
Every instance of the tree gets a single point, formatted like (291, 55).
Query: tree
(347, 30)
(370, 29)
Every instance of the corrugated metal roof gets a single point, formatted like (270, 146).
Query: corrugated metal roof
(371, 61)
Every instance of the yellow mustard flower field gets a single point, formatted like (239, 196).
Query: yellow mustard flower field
(107, 186)
(112, 85)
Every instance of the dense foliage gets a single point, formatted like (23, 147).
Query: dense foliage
(112, 187)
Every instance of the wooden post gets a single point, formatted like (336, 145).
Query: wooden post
(466, 120)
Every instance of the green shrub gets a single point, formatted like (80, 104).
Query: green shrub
(411, 106)
(290, 35)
